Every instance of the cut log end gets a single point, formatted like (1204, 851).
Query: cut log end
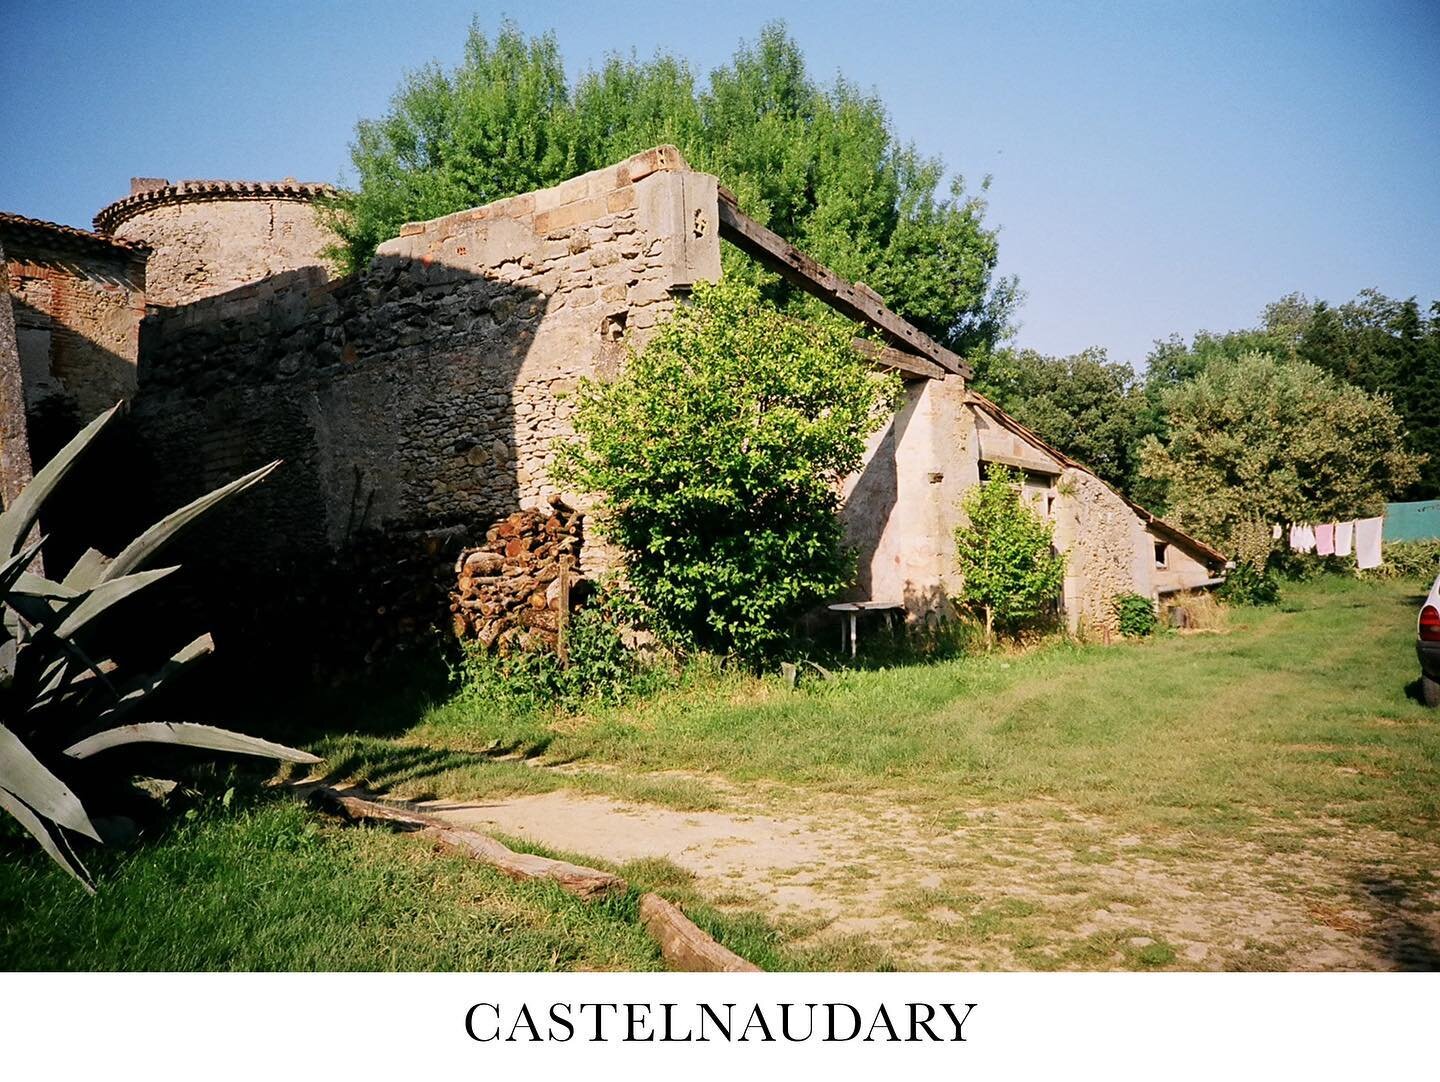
(684, 945)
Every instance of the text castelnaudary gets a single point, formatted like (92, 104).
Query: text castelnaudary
(719, 1022)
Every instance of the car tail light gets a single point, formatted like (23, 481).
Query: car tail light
(1430, 624)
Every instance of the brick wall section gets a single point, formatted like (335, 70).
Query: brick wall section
(203, 246)
(427, 392)
(77, 321)
(14, 440)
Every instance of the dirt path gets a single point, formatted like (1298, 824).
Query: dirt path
(1019, 887)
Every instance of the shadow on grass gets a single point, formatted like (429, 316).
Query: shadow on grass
(1397, 934)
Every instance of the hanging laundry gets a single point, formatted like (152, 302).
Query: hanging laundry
(1344, 535)
(1275, 531)
(1325, 539)
(1302, 539)
(1367, 542)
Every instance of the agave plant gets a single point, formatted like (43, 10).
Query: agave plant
(63, 698)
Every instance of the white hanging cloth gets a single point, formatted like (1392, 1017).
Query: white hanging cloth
(1302, 539)
(1367, 542)
(1344, 535)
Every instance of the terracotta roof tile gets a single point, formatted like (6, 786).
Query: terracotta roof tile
(111, 216)
(68, 236)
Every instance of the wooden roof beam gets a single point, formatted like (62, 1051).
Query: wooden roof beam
(856, 302)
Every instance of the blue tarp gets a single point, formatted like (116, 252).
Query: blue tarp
(1412, 521)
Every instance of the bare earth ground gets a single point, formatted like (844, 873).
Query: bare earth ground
(1018, 886)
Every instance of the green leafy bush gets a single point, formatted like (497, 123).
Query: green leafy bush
(1246, 586)
(600, 669)
(1419, 560)
(1012, 573)
(64, 696)
(718, 453)
(1136, 614)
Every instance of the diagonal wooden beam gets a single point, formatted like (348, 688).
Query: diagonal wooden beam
(855, 302)
(909, 365)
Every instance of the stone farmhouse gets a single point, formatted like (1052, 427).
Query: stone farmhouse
(421, 398)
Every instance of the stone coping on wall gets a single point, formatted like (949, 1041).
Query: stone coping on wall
(590, 195)
(25, 231)
(163, 192)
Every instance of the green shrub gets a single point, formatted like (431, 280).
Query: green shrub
(601, 670)
(1136, 614)
(1012, 573)
(1419, 560)
(1246, 586)
(718, 453)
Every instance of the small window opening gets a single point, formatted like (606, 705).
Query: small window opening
(1162, 554)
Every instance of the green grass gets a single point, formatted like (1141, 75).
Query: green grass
(274, 886)
(1297, 711)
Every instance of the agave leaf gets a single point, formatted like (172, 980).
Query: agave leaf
(189, 735)
(40, 586)
(105, 595)
(20, 516)
(41, 615)
(143, 548)
(131, 694)
(14, 568)
(49, 838)
(87, 569)
(28, 778)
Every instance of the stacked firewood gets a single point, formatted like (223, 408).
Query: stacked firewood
(513, 592)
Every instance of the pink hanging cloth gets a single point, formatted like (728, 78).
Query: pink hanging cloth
(1325, 539)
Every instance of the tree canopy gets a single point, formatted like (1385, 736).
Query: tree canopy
(1267, 440)
(818, 163)
(1088, 405)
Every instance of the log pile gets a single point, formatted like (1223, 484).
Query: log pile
(513, 592)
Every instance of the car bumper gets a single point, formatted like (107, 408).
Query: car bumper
(1429, 654)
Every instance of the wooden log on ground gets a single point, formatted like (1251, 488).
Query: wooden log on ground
(585, 883)
(684, 945)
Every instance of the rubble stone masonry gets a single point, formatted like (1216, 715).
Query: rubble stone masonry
(428, 391)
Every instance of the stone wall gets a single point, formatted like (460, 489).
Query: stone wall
(900, 510)
(208, 238)
(1107, 551)
(77, 320)
(426, 393)
(14, 440)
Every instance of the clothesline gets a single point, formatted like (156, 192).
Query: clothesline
(1337, 538)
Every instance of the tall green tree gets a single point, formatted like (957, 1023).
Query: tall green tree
(1087, 405)
(1267, 440)
(1388, 347)
(819, 163)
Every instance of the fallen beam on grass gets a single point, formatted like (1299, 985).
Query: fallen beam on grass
(585, 883)
(684, 945)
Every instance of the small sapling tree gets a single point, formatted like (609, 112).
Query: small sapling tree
(1012, 573)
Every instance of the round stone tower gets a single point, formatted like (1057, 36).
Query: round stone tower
(211, 236)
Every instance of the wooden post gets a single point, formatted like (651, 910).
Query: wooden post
(562, 624)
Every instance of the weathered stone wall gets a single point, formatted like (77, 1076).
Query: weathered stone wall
(14, 439)
(77, 321)
(207, 243)
(901, 508)
(428, 391)
(1107, 551)
(1182, 571)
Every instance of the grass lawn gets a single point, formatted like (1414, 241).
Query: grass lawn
(1297, 711)
(1261, 797)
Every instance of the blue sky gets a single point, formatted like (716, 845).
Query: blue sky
(1156, 168)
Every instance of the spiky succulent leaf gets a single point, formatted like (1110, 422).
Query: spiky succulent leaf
(189, 735)
(49, 836)
(95, 602)
(143, 548)
(27, 778)
(20, 516)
